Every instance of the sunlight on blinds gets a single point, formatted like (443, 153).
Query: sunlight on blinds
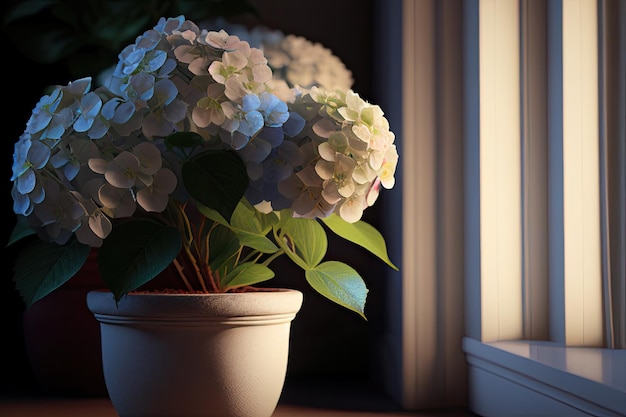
(581, 216)
(500, 211)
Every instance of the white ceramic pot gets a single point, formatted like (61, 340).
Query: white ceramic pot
(188, 355)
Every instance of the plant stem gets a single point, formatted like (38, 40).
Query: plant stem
(181, 274)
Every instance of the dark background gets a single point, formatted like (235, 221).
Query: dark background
(328, 342)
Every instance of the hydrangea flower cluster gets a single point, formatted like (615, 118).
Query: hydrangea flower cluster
(348, 153)
(295, 60)
(190, 122)
(89, 156)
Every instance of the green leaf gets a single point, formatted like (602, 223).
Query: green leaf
(135, 252)
(362, 234)
(217, 179)
(248, 219)
(20, 230)
(339, 283)
(223, 246)
(257, 242)
(211, 214)
(306, 241)
(268, 221)
(42, 267)
(248, 273)
(252, 227)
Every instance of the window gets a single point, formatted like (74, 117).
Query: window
(532, 95)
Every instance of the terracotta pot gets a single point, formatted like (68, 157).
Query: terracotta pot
(204, 355)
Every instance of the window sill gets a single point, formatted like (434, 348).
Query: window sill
(534, 378)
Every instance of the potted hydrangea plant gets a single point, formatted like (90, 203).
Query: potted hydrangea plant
(191, 158)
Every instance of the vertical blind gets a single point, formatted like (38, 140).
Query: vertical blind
(532, 95)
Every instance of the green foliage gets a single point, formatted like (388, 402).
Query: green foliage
(339, 283)
(42, 267)
(303, 240)
(138, 249)
(238, 241)
(135, 252)
(20, 231)
(216, 179)
(252, 227)
(213, 232)
(361, 233)
(223, 249)
(248, 273)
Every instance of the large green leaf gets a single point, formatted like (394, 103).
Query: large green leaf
(245, 274)
(216, 179)
(135, 252)
(306, 241)
(42, 267)
(339, 283)
(361, 233)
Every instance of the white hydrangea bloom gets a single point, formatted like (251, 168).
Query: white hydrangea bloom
(296, 62)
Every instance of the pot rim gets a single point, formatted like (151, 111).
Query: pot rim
(266, 301)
